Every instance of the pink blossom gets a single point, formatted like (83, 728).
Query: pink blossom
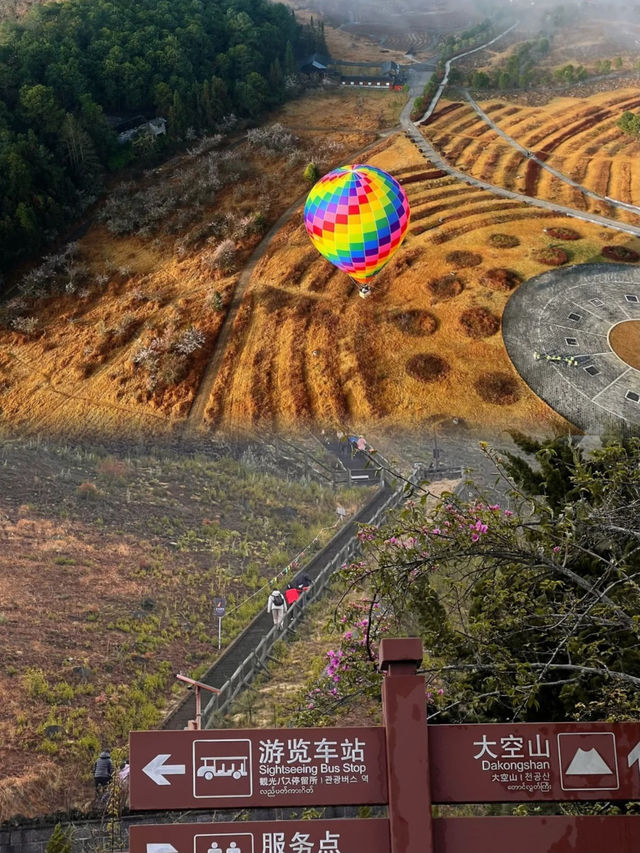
(556, 549)
(310, 705)
(436, 531)
(494, 506)
(474, 537)
(508, 513)
(348, 635)
(440, 691)
(361, 444)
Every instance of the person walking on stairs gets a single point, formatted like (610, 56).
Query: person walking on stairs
(276, 606)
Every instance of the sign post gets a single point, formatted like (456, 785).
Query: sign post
(307, 836)
(257, 767)
(404, 764)
(404, 711)
(219, 608)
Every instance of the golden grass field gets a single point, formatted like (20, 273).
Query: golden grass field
(304, 348)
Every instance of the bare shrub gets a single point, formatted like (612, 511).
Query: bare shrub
(497, 387)
(426, 367)
(273, 139)
(552, 256)
(166, 356)
(445, 287)
(414, 322)
(25, 325)
(223, 257)
(503, 241)
(562, 233)
(479, 322)
(463, 258)
(620, 253)
(500, 278)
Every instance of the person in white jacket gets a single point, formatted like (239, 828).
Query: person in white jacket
(276, 605)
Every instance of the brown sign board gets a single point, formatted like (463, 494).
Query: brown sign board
(257, 767)
(292, 836)
(556, 834)
(487, 763)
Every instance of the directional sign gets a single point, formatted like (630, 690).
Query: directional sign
(308, 836)
(257, 767)
(534, 834)
(534, 761)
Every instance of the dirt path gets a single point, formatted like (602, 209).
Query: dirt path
(195, 418)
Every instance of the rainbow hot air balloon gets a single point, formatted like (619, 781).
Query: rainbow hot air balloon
(357, 217)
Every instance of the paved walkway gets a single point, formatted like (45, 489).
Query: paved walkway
(569, 313)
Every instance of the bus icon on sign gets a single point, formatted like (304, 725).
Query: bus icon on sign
(222, 768)
(232, 765)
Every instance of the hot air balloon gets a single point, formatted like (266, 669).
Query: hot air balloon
(357, 217)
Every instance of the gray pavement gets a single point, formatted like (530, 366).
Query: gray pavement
(569, 313)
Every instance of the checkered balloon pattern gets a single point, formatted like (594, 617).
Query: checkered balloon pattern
(357, 217)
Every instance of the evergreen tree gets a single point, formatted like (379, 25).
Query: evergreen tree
(60, 841)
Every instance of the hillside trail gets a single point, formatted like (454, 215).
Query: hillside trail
(195, 418)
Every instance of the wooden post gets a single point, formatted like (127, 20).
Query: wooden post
(404, 709)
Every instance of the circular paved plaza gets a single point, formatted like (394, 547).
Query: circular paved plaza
(574, 336)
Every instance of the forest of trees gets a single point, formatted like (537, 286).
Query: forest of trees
(69, 71)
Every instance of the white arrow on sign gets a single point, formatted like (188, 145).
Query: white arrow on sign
(634, 756)
(161, 848)
(156, 770)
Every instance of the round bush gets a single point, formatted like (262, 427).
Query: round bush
(503, 241)
(446, 287)
(562, 233)
(499, 388)
(620, 253)
(414, 322)
(427, 368)
(500, 278)
(552, 256)
(461, 258)
(479, 322)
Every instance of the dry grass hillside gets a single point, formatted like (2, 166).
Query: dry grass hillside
(110, 558)
(119, 331)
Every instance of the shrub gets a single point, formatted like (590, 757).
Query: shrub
(498, 387)
(446, 287)
(426, 367)
(620, 253)
(274, 139)
(311, 173)
(551, 256)
(60, 841)
(479, 322)
(87, 491)
(26, 325)
(223, 257)
(499, 278)
(563, 233)
(503, 241)
(463, 258)
(414, 322)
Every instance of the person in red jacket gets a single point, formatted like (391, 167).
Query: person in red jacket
(291, 594)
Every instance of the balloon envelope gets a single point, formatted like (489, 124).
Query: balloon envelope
(357, 217)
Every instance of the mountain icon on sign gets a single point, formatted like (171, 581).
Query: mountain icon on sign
(587, 762)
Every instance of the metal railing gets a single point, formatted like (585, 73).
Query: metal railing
(256, 661)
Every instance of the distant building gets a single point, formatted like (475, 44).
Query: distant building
(317, 63)
(374, 74)
(130, 128)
